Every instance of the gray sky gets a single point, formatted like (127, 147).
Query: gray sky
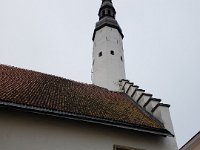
(162, 46)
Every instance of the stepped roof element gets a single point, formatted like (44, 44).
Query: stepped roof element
(40, 93)
(107, 15)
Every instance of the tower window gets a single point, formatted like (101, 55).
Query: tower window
(103, 12)
(108, 12)
(100, 54)
(112, 52)
(121, 58)
(112, 14)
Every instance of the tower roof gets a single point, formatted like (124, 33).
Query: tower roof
(107, 5)
(107, 15)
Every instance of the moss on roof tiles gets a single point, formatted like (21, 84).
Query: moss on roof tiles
(40, 90)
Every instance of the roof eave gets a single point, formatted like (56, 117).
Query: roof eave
(78, 117)
(109, 22)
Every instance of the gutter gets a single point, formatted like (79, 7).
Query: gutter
(89, 119)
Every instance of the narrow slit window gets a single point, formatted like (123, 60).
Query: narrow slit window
(100, 54)
(112, 52)
(103, 12)
(121, 58)
(112, 14)
(108, 12)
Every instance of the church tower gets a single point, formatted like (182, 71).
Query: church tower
(108, 53)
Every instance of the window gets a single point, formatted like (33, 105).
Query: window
(112, 52)
(108, 12)
(103, 12)
(100, 54)
(118, 147)
(112, 14)
(121, 58)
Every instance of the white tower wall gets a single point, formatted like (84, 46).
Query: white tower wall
(108, 68)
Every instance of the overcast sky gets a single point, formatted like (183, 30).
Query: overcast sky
(162, 46)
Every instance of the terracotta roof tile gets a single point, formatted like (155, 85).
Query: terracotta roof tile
(30, 88)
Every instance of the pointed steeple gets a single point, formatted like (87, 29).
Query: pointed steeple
(107, 15)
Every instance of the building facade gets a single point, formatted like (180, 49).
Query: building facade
(44, 112)
(21, 131)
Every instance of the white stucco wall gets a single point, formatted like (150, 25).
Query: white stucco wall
(21, 131)
(108, 69)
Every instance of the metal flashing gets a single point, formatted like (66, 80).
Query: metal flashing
(131, 84)
(160, 104)
(146, 94)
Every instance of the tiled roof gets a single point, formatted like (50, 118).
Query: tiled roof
(37, 90)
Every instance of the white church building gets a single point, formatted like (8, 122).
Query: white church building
(45, 112)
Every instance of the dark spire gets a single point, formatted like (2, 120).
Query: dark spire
(107, 15)
(107, 9)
